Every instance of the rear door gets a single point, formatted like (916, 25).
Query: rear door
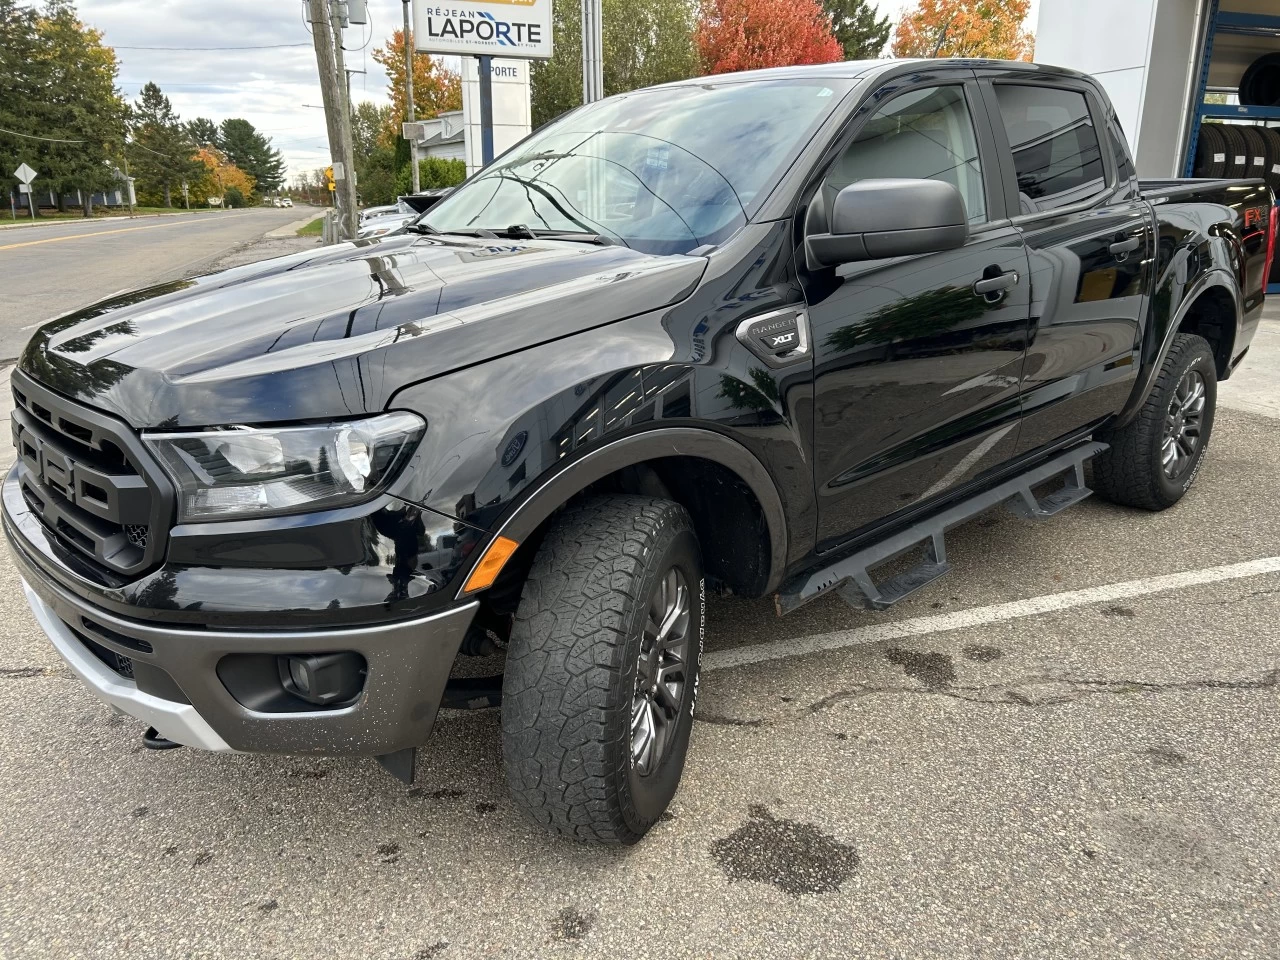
(1090, 237)
(916, 372)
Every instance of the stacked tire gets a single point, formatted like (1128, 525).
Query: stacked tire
(1260, 85)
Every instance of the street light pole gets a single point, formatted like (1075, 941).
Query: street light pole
(408, 89)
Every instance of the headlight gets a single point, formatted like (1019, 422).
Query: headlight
(375, 232)
(247, 472)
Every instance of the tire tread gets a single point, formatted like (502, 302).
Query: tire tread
(566, 665)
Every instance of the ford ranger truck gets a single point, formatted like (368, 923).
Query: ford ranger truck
(760, 332)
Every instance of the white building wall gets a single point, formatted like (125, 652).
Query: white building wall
(511, 108)
(1142, 53)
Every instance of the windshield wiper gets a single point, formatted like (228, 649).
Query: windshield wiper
(432, 231)
(520, 231)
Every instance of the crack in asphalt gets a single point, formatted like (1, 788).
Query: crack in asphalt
(1033, 691)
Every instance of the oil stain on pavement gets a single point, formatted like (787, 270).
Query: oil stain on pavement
(571, 924)
(932, 669)
(797, 858)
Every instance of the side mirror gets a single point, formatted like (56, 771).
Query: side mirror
(872, 219)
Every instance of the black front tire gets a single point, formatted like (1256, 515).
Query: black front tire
(581, 646)
(1133, 472)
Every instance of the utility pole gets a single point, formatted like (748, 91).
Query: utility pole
(408, 88)
(326, 34)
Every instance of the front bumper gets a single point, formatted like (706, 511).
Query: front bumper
(173, 682)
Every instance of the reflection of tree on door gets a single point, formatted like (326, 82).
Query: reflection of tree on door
(922, 315)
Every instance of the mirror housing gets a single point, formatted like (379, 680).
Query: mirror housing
(874, 219)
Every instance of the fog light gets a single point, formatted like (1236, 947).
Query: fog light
(323, 678)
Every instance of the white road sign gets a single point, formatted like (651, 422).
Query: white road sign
(516, 29)
(25, 174)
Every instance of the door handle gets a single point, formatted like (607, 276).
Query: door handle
(1003, 281)
(1122, 248)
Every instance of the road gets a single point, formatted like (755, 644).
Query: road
(54, 268)
(1067, 748)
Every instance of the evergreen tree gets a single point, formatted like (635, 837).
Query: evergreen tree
(21, 90)
(252, 152)
(58, 86)
(858, 28)
(203, 132)
(160, 154)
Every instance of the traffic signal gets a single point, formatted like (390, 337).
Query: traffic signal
(328, 178)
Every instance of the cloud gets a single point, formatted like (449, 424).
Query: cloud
(268, 87)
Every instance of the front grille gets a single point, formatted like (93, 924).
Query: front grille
(89, 480)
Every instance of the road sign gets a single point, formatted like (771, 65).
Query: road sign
(518, 29)
(25, 174)
(24, 188)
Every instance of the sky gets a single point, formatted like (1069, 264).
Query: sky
(274, 89)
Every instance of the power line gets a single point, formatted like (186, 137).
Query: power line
(263, 46)
(28, 136)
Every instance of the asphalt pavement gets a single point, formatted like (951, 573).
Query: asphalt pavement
(50, 269)
(1066, 748)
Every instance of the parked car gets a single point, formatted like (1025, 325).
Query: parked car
(382, 210)
(407, 209)
(757, 332)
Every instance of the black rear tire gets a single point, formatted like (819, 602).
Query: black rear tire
(581, 645)
(1133, 471)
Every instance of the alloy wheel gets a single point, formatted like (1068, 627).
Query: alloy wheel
(661, 672)
(1182, 425)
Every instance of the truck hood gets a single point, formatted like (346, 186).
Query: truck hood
(336, 332)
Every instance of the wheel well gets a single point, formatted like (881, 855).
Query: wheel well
(727, 517)
(1213, 316)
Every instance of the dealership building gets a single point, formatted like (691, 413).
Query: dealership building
(1159, 59)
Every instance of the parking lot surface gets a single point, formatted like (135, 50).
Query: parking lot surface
(1066, 748)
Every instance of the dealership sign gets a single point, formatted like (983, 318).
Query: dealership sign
(515, 29)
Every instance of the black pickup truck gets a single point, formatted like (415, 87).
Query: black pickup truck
(760, 333)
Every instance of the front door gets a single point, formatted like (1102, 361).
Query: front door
(916, 372)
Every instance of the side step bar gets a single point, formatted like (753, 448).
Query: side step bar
(852, 575)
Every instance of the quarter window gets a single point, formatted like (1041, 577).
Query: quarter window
(926, 134)
(1055, 148)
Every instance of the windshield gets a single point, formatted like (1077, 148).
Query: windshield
(661, 170)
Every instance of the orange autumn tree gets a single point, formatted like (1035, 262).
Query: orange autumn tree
(220, 175)
(965, 28)
(436, 88)
(750, 34)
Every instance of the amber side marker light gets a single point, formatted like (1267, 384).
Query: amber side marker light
(495, 557)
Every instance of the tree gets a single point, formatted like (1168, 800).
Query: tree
(203, 132)
(249, 150)
(57, 84)
(433, 173)
(857, 27)
(645, 42)
(22, 86)
(965, 28)
(749, 34)
(160, 155)
(375, 159)
(219, 176)
(436, 88)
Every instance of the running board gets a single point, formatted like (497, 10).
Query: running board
(852, 575)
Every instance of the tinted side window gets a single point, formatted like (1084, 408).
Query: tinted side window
(1055, 147)
(1124, 164)
(926, 134)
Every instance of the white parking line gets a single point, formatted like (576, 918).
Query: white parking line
(978, 616)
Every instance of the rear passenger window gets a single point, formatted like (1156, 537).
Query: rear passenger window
(1055, 147)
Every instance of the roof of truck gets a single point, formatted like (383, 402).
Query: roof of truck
(853, 69)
